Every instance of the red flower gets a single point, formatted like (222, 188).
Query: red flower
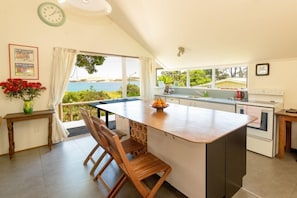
(19, 88)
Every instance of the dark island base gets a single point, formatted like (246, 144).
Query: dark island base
(226, 164)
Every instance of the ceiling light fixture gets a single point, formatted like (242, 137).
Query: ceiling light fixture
(181, 51)
(91, 6)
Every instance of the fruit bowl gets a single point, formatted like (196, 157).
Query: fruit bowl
(159, 104)
(160, 109)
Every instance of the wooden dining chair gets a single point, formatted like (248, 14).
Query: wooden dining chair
(129, 145)
(136, 169)
(90, 126)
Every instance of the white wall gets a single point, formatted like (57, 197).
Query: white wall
(20, 24)
(282, 76)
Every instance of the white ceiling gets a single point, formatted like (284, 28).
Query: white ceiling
(213, 32)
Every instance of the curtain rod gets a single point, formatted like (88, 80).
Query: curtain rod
(106, 54)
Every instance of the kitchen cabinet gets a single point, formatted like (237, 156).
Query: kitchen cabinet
(168, 99)
(187, 102)
(216, 106)
(208, 105)
(172, 100)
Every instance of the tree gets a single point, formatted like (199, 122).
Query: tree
(220, 75)
(166, 79)
(198, 77)
(132, 90)
(231, 72)
(92, 94)
(169, 77)
(89, 62)
(85, 95)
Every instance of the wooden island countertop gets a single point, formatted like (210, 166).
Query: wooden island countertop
(198, 125)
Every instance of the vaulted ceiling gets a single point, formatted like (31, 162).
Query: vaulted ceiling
(213, 32)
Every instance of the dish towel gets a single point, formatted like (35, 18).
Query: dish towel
(254, 111)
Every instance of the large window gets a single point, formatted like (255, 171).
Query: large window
(231, 77)
(117, 77)
(200, 78)
(217, 77)
(177, 78)
(133, 77)
(100, 79)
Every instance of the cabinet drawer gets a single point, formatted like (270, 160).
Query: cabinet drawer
(172, 100)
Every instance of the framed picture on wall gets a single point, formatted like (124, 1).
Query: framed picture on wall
(23, 61)
(262, 69)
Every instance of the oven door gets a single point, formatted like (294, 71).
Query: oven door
(265, 128)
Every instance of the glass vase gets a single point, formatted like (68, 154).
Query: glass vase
(28, 106)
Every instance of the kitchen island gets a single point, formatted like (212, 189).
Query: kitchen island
(206, 148)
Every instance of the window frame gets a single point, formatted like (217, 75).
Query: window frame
(213, 76)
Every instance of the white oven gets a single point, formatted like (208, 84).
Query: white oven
(262, 135)
(263, 129)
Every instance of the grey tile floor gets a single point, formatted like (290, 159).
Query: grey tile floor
(40, 173)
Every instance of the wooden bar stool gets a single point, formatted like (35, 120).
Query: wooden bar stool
(89, 124)
(136, 169)
(130, 146)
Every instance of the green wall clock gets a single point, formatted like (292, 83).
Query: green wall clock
(51, 14)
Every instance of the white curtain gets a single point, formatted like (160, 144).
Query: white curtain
(147, 83)
(63, 61)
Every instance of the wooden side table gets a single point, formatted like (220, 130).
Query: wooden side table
(15, 117)
(284, 118)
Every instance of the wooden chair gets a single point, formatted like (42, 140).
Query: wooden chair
(137, 169)
(90, 126)
(129, 145)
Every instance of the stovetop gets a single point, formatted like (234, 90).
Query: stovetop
(265, 98)
(262, 102)
(272, 104)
